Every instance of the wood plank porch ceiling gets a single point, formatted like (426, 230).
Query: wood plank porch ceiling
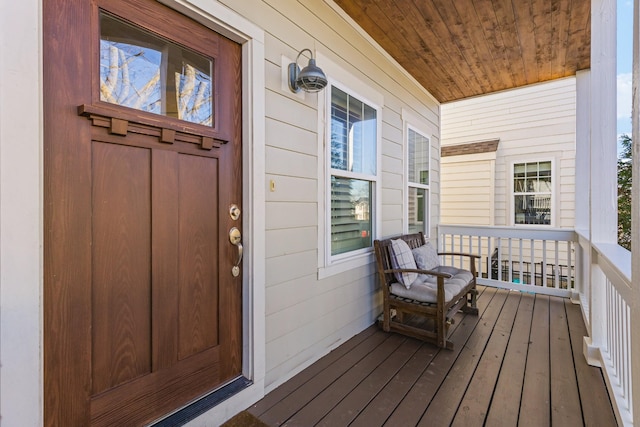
(462, 48)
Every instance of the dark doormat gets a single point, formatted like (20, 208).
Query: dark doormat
(244, 419)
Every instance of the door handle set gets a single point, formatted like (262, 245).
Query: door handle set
(235, 237)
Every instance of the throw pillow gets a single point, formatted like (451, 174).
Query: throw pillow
(426, 257)
(401, 257)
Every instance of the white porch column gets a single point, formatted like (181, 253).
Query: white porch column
(583, 189)
(635, 220)
(583, 151)
(603, 155)
(604, 175)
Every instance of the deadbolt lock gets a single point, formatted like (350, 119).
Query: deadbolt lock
(234, 212)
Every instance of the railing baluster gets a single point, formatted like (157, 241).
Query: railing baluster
(627, 352)
(556, 278)
(545, 282)
(453, 249)
(499, 246)
(470, 245)
(533, 263)
(480, 255)
(493, 249)
(510, 269)
(569, 264)
(520, 268)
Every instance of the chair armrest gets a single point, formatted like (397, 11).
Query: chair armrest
(460, 254)
(416, 270)
(472, 259)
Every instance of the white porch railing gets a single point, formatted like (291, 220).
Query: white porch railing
(527, 259)
(609, 322)
(564, 263)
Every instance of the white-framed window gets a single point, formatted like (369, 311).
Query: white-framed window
(349, 170)
(532, 196)
(418, 167)
(352, 156)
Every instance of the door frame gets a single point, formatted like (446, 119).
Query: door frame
(21, 214)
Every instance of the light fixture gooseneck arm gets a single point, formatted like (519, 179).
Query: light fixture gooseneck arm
(302, 51)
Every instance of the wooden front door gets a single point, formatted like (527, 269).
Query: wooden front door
(142, 303)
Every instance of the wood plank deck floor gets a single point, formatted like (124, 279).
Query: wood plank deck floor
(519, 363)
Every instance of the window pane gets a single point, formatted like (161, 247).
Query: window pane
(353, 134)
(533, 183)
(544, 168)
(143, 71)
(532, 209)
(418, 158)
(532, 177)
(545, 184)
(351, 222)
(418, 210)
(339, 127)
(193, 90)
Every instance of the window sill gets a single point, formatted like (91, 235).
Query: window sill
(343, 265)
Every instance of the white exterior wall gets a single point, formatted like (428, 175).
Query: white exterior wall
(533, 123)
(467, 189)
(307, 316)
(298, 317)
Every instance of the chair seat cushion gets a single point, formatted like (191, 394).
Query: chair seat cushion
(425, 288)
(456, 273)
(423, 292)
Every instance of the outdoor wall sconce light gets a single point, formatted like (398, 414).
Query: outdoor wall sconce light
(310, 79)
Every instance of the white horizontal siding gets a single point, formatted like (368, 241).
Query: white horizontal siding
(282, 242)
(467, 191)
(289, 267)
(285, 109)
(533, 123)
(290, 163)
(306, 317)
(300, 140)
(291, 189)
(291, 214)
(392, 149)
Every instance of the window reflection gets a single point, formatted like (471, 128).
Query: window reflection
(143, 71)
(532, 193)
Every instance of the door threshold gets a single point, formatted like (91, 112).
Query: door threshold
(203, 404)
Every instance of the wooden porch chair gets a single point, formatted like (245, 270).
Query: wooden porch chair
(424, 311)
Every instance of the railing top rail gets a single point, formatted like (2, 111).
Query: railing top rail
(615, 261)
(538, 233)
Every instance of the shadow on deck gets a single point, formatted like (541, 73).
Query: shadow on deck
(519, 363)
